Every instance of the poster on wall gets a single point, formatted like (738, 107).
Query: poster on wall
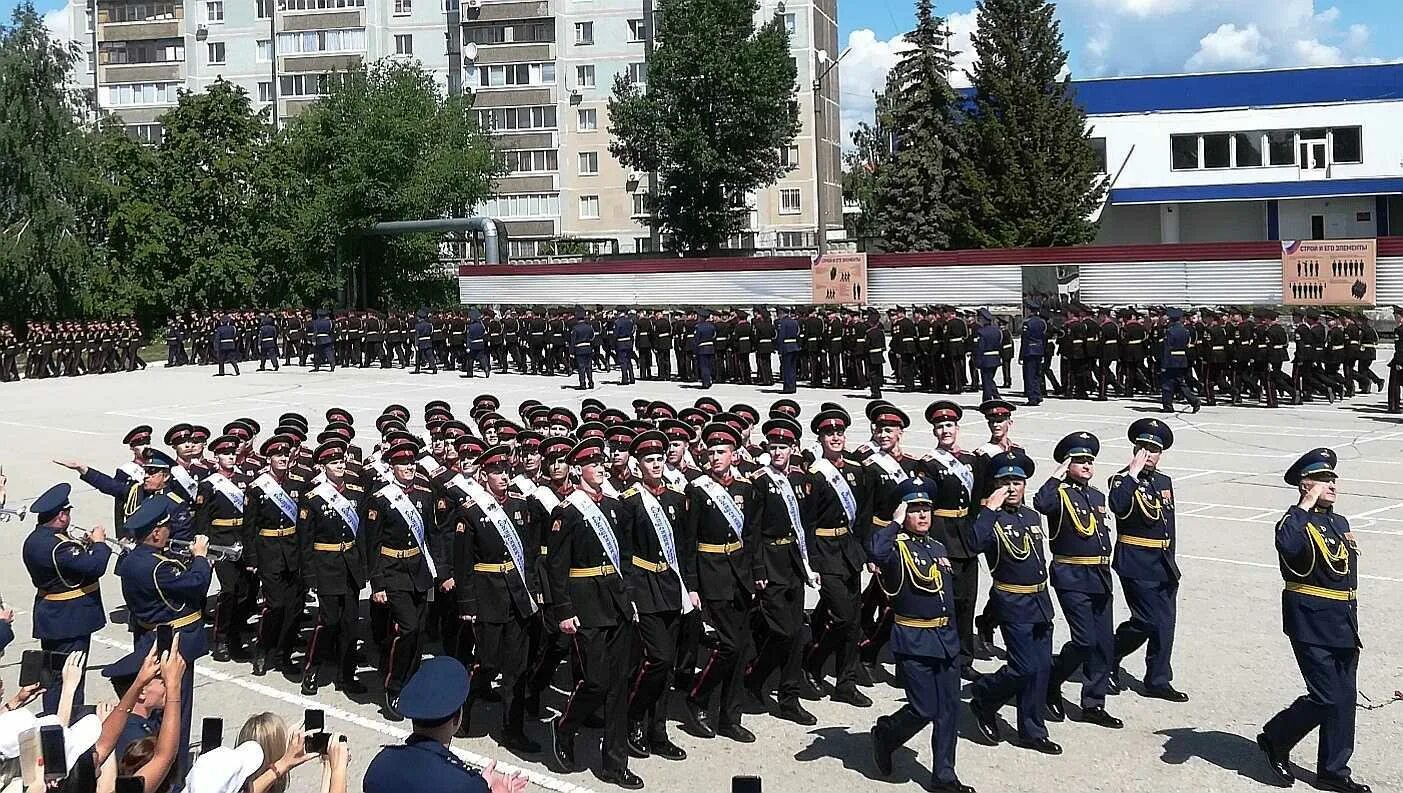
(1328, 272)
(839, 279)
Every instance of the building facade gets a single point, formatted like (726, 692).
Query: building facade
(540, 71)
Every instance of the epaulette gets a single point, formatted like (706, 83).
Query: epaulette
(295, 477)
(901, 535)
(350, 486)
(632, 491)
(176, 497)
(676, 489)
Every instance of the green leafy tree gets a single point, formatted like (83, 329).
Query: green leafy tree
(861, 166)
(914, 183)
(718, 109)
(386, 144)
(1030, 176)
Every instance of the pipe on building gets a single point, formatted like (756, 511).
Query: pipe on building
(488, 227)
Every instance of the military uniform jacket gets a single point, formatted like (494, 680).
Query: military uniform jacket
(1034, 338)
(486, 581)
(951, 521)
(1177, 341)
(989, 346)
(396, 561)
(916, 576)
(1079, 534)
(540, 511)
(1368, 343)
(725, 562)
(904, 336)
(764, 336)
(837, 547)
(778, 559)
(269, 535)
(583, 581)
(1277, 342)
(333, 554)
(743, 337)
(880, 487)
(216, 516)
(876, 344)
(66, 575)
(130, 495)
(1144, 510)
(160, 589)
(651, 579)
(1320, 565)
(421, 765)
(1011, 540)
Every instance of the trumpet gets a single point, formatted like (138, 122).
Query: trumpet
(215, 553)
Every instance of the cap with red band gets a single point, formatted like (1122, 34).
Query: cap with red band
(782, 430)
(139, 436)
(650, 442)
(943, 410)
(720, 433)
(499, 455)
(588, 451)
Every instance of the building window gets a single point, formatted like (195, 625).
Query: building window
(1247, 149)
(589, 163)
(1098, 148)
(404, 44)
(643, 244)
(529, 32)
(584, 76)
(138, 94)
(263, 49)
(790, 202)
(404, 8)
(1217, 151)
(512, 74)
(1281, 147)
(637, 30)
(640, 204)
(318, 5)
(265, 90)
(638, 72)
(1346, 145)
(517, 118)
(92, 60)
(291, 85)
(1185, 151)
(146, 133)
(87, 20)
(214, 11)
(790, 23)
(796, 239)
(789, 157)
(524, 205)
(589, 207)
(530, 160)
(584, 33)
(448, 5)
(146, 12)
(263, 8)
(216, 52)
(124, 52)
(317, 41)
(586, 120)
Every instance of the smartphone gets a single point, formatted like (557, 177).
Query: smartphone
(29, 757)
(130, 784)
(31, 667)
(316, 743)
(52, 753)
(745, 784)
(313, 720)
(165, 635)
(211, 733)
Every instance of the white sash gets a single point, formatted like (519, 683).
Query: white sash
(507, 531)
(133, 470)
(277, 495)
(830, 472)
(889, 464)
(227, 489)
(547, 498)
(340, 503)
(524, 484)
(394, 494)
(723, 502)
(674, 477)
(596, 520)
(666, 538)
(956, 467)
(791, 505)
(184, 478)
(607, 488)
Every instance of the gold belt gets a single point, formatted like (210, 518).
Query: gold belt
(1088, 560)
(407, 553)
(1020, 589)
(288, 532)
(591, 572)
(71, 594)
(1143, 542)
(335, 547)
(919, 622)
(177, 623)
(484, 567)
(950, 513)
(652, 567)
(1320, 591)
(712, 547)
(782, 541)
(227, 522)
(838, 532)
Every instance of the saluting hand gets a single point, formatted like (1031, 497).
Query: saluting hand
(1061, 472)
(1138, 461)
(997, 498)
(73, 465)
(1312, 494)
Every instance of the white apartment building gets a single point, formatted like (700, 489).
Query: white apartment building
(540, 71)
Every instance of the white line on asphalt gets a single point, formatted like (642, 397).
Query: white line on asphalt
(1384, 508)
(1275, 567)
(51, 429)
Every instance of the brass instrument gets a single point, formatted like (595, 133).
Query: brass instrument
(215, 553)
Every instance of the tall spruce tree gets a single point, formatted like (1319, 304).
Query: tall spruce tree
(861, 169)
(913, 180)
(1029, 176)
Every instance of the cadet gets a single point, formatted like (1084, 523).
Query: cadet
(324, 339)
(582, 348)
(219, 515)
(1320, 563)
(424, 344)
(626, 334)
(1174, 371)
(267, 343)
(1142, 498)
(787, 343)
(66, 573)
(476, 346)
(924, 642)
(226, 345)
(271, 550)
(1010, 536)
(1395, 365)
(950, 482)
(155, 484)
(1031, 353)
(1079, 533)
(875, 343)
(329, 529)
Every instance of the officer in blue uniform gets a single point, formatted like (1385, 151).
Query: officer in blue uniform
(1174, 369)
(267, 343)
(1320, 564)
(704, 346)
(582, 347)
(424, 344)
(66, 574)
(1142, 499)
(1079, 534)
(625, 333)
(988, 352)
(155, 484)
(226, 345)
(324, 339)
(1009, 535)
(477, 346)
(923, 639)
(1032, 352)
(787, 342)
(163, 589)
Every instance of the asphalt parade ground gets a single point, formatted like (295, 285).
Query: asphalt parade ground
(1230, 655)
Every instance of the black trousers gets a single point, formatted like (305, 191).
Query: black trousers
(657, 635)
(500, 648)
(603, 655)
(334, 637)
(726, 666)
(835, 628)
(764, 368)
(778, 625)
(282, 607)
(235, 603)
(400, 647)
(966, 572)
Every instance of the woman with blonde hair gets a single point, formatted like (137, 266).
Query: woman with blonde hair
(285, 749)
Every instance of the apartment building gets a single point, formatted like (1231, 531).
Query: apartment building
(540, 71)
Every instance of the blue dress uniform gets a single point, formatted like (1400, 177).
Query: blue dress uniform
(477, 346)
(625, 332)
(1320, 565)
(1012, 543)
(131, 495)
(267, 343)
(1174, 369)
(988, 350)
(324, 339)
(226, 345)
(1079, 534)
(421, 764)
(787, 341)
(1032, 352)
(66, 575)
(1144, 560)
(161, 589)
(424, 344)
(582, 348)
(923, 641)
(704, 347)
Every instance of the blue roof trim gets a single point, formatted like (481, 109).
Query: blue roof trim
(1257, 191)
(1364, 83)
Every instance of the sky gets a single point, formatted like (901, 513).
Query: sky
(1114, 37)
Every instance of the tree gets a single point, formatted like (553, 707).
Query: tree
(385, 144)
(861, 166)
(1030, 176)
(719, 109)
(914, 182)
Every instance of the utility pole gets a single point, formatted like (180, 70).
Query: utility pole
(654, 236)
(820, 150)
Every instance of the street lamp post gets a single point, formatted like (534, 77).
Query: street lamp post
(820, 151)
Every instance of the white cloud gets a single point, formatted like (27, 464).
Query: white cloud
(863, 73)
(1229, 47)
(60, 24)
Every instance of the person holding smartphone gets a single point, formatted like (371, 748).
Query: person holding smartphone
(66, 574)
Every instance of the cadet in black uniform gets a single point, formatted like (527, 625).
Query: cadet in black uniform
(1395, 364)
(333, 558)
(271, 548)
(949, 474)
(219, 514)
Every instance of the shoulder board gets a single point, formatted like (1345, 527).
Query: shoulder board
(632, 491)
(296, 478)
(350, 486)
(674, 488)
(901, 536)
(173, 496)
(813, 469)
(741, 476)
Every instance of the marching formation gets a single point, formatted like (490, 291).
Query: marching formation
(665, 554)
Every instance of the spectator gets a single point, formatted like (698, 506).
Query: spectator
(7, 628)
(148, 697)
(152, 758)
(285, 749)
